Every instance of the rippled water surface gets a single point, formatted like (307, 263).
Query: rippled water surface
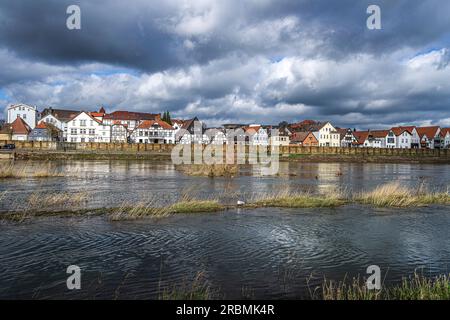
(262, 253)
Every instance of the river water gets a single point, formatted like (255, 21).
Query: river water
(260, 253)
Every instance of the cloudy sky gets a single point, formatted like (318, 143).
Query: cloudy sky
(234, 60)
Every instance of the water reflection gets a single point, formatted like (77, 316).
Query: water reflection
(110, 183)
(269, 252)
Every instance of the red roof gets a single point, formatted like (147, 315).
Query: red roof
(379, 133)
(252, 129)
(361, 136)
(430, 132)
(97, 114)
(19, 126)
(444, 132)
(41, 125)
(146, 124)
(300, 136)
(399, 130)
(127, 115)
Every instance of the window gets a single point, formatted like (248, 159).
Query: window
(24, 116)
(92, 123)
(82, 131)
(91, 131)
(73, 131)
(82, 123)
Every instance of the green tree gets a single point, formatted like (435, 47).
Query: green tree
(168, 120)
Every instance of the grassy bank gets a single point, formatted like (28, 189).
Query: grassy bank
(417, 287)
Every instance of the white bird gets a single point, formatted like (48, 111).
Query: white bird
(240, 203)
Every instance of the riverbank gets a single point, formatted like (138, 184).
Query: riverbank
(163, 155)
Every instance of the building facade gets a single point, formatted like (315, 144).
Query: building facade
(27, 113)
(85, 128)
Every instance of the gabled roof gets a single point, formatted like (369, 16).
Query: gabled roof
(399, 130)
(48, 126)
(343, 132)
(300, 136)
(60, 114)
(188, 123)
(251, 129)
(147, 124)
(19, 126)
(361, 136)
(88, 114)
(444, 132)
(430, 132)
(41, 125)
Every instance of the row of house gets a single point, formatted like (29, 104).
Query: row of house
(26, 123)
(409, 137)
(311, 133)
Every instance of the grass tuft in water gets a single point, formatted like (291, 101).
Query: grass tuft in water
(396, 195)
(198, 289)
(289, 199)
(206, 170)
(11, 170)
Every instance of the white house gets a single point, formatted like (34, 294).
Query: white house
(58, 118)
(385, 138)
(216, 136)
(27, 113)
(85, 128)
(429, 137)
(445, 134)
(403, 138)
(153, 131)
(366, 139)
(119, 132)
(347, 137)
(192, 131)
(327, 135)
(280, 139)
(256, 135)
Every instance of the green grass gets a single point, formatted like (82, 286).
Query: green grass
(417, 287)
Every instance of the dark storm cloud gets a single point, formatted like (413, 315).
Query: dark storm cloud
(233, 60)
(149, 35)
